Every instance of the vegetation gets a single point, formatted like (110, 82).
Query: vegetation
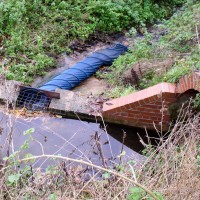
(175, 38)
(170, 170)
(32, 32)
(197, 102)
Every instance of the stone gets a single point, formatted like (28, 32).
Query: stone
(69, 102)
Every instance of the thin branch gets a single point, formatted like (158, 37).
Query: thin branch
(197, 33)
(95, 166)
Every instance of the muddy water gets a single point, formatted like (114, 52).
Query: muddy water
(73, 138)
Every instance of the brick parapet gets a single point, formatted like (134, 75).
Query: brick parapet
(148, 108)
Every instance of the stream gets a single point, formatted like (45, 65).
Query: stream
(72, 138)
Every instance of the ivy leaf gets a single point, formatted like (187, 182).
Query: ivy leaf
(120, 168)
(158, 195)
(14, 178)
(106, 175)
(29, 155)
(5, 158)
(25, 145)
(52, 196)
(29, 131)
(136, 193)
(133, 162)
(121, 154)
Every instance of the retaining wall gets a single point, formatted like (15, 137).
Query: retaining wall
(149, 108)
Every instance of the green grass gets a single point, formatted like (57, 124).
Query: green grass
(120, 91)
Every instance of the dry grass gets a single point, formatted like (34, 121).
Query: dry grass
(173, 169)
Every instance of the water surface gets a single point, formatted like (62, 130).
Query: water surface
(69, 137)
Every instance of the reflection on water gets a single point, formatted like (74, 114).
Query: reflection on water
(131, 136)
(67, 137)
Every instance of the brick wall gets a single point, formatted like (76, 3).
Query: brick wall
(148, 108)
(188, 82)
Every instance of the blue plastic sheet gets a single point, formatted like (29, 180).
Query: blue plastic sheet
(82, 70)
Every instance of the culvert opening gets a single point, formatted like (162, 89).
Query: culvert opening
(33, 99)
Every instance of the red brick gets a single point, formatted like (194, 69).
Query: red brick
(170, 95)
(171, 88)
(146, 121)
(137, 116)
(129, 119)
(139, 103)
(190, 81)
(186, 82)
(145, 124)
(144, 109)
(153, 98)
(123, 114)
(151, 111)
(128, 106)
(116, 109)
(197, 82)
(169, 101)
(185, 85)
(134, 116)
(152, 106)
(150, 117)
(147, 100)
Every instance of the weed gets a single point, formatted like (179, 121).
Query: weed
(120, 91)
(172, 167)
(197, 101)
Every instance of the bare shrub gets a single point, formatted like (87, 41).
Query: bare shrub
(173, 168)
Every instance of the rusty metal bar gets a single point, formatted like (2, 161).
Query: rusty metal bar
(49, 94)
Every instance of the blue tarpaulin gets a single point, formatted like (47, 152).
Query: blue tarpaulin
(82, 70)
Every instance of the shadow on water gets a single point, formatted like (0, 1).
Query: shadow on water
(131, 136)
(72, 138)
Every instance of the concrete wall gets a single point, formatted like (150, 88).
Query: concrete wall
(9, 90)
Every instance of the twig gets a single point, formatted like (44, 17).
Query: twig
(123, 140)
(98, 143)
(86, 184)
(197, 33)
(106, 134)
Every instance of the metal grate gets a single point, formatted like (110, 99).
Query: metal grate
(33, 99)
